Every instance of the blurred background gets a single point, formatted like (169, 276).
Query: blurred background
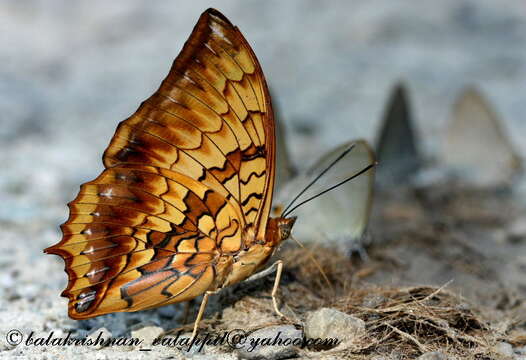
(72, 70)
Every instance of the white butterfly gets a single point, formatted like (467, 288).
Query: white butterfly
(339, 217)
(396, 145)
(475, 148)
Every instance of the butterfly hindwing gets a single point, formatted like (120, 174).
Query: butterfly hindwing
(186, 175)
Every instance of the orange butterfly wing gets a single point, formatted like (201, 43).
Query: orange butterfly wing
(188, 177)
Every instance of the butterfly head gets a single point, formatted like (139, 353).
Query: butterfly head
(285, 227)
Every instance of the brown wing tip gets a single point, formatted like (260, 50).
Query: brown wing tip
(50, 250)
(216, 14)
(56, 248)
(200, 32)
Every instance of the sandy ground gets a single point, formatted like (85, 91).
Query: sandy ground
(71, 72)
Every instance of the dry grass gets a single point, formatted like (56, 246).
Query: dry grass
(416, 320)
(405, 322)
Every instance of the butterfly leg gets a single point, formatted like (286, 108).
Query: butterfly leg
(279, 270)
(201, 312)
(278, 267)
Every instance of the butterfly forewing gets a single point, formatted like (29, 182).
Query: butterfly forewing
(186, 176)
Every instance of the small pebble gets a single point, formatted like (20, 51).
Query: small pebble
(517, 231)
(434, 355)
(183, 345)
(273, 343)
(504, 349)
(521, 351)
(330, 323)
(147, 334)
(105, 335)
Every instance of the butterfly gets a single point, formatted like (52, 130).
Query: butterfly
(397, 143)
(340, 217)
(183, 206)
(475, 146)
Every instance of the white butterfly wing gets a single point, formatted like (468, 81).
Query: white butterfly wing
(340, 216)
(475, 146)
(397, 148)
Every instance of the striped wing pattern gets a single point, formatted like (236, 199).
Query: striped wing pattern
(189, 177)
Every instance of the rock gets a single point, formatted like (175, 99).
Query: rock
(434, 355)
(101, 336)
(147, 334)
(517, 231)
(504, 349)
(330, 323)
(520, 353)
(274, 342)
(182, 343)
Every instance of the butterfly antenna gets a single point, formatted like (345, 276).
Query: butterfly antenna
(331, 188)
(318, 177)
(316, 263)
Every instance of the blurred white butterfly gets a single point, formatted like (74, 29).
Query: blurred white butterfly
(339, 217)
(475, 148)
(396, 144)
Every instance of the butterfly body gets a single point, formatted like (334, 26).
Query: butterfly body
(255, 257)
